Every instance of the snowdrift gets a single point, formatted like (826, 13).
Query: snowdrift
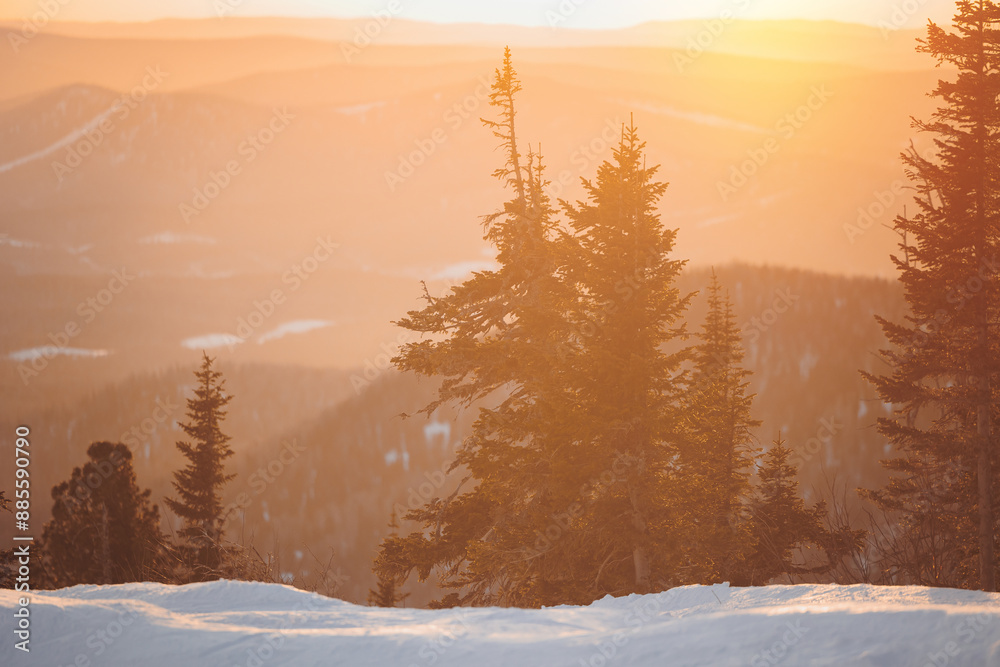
(253, 625)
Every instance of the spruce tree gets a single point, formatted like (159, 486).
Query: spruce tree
(943, 363)
(626, 376)
(103, 530)
(199, 484)
(720, 455)
(496, 335)
(780, 523)
(387, 592)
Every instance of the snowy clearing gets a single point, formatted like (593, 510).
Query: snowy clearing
(249, 624)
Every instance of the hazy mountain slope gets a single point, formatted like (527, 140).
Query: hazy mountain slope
(807, 336)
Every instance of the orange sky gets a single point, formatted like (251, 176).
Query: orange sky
(565, 13)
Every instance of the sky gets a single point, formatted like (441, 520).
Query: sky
(589, 14)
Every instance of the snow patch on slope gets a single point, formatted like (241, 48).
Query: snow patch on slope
(294, 327)
(211, 341)
(463, 270)
(49, 351)
(695, 117)
(359, 109)
(173, 238)
(17, 243)
(70, 138)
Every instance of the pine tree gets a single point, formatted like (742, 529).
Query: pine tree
(780, 523)
(199, 484)
(103, 529)
(944, 362)
(496, 335)
(627, 426)
(720, 455)
(387, 592)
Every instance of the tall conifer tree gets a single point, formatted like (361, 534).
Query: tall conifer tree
(624, 377)
(199, 484)
(943, 380)
(496, 335)
(103, 530)
(720, 455)
(780, 523)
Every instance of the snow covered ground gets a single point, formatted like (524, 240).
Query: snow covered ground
(246, 624)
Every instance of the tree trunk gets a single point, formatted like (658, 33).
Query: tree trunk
(984, 429)
(984, 416)
(640, 559)
(105, 546)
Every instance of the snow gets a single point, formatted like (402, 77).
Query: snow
(68, 139)
(294, 327)
(17, 243)
(240, 623)
(717, 220)
(462, 270)
(359, 109)
(211, 341)
(436, 428)
(695, 117)
(807, 363)
(171, 238)
(49, 351)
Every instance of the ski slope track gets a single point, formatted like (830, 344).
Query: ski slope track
(255, 625)
(70, 138)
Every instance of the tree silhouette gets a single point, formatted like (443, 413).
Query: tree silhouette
(199, 484)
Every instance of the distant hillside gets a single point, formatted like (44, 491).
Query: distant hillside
(321, 465)
(814, 41)
(821, 202)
